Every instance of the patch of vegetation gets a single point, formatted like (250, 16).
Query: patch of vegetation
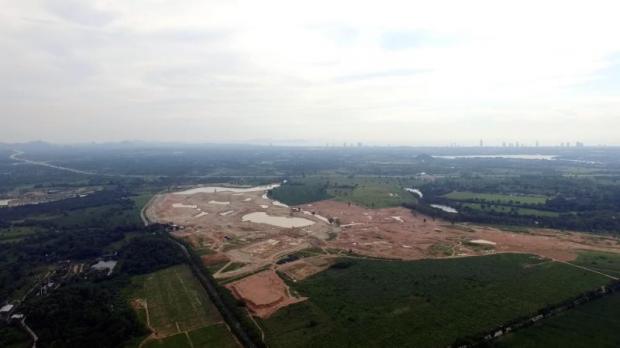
(608, 263)
(175, 300)
(213, 336)
(13, 337)
(83, 315)
(364, 191)
(441, 249)
(149, 253)
(496, 198)
(309, 252)
(16, 233)
(180, 340)
(594, 324)
(300, 192)
(503, 209)
(427, 303)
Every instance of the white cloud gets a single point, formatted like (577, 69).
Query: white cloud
(446, 71)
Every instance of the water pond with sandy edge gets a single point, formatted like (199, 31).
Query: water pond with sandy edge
(214, 189)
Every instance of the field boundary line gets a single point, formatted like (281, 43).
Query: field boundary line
(191, 344)
(589, 269)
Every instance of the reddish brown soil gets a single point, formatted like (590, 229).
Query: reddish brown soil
(263, 293)
(375, 232)
(214, 259)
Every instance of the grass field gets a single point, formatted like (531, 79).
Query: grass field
(505, 209)
(368, 192)
(213, 336)
(427, 303)
(175, 300)
(376, 195)
(105, 215)
(594, 324)
(301, 191)
(16, 233)
(607, 263)
(496, 198)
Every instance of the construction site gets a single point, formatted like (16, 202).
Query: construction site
(250, 241)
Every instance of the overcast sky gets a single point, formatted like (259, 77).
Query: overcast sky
(378, 72)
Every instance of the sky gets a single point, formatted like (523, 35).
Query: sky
(310, 72)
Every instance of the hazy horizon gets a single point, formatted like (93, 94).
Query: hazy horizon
(313, 73)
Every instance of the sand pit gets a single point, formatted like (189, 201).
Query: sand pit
(219, 203)
(280, 221)
(201, 214)
(263, 293)
(181, 205)
(482, 242)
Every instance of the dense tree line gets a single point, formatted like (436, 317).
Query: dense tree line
(148, 254)
(83, 315)
(113, 196)
(585, 204)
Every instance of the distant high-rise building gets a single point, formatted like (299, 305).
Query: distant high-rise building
(517, 144)
(537, 143)
(359, 144)
(579, 144)
(481, 143)
(503, 144)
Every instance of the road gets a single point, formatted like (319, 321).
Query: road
(16, 154)
(208, 284)
(16, 157)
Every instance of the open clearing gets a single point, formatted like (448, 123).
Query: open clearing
(251, 230)
(234, 245)
(264, 293)
(425, 303)
(375, 232)
(172, 303)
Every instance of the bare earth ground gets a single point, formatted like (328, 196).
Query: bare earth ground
(379, 233)
(264, 293)
(214, 221)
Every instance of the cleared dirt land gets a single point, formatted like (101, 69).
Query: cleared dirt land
(241, 231)
(403, 234)
(239, 226)
(264, 293)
